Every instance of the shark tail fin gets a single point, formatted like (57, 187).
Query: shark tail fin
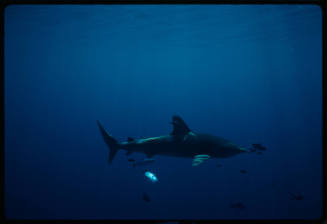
(111, 142)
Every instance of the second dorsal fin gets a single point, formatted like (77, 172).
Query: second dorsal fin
(130, 139)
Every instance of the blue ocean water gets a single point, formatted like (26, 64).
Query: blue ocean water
(248, 73)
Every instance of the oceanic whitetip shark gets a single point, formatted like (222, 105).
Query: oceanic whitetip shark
(181, 142)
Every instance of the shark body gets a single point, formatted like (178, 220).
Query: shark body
(181, 142)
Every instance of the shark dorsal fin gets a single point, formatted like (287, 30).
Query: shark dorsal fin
(180, 127)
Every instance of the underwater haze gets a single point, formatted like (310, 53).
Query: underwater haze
(249, 73)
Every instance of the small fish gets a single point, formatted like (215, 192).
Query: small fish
(144, 162)
(151, 176)
(219, 165)
(259, 153)
(243, 171)
(238, 205)
(131, 160)
(297, 197)
(259, 147)
(146, 197)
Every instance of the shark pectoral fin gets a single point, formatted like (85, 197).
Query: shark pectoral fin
(198, 159)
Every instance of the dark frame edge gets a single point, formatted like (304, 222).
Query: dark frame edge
(323, 6)
(5, 3)
(186, 221)
(321, 3)
(2, 112)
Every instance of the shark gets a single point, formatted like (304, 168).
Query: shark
(181, 142)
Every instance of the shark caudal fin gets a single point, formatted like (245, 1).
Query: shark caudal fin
(111, 142)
